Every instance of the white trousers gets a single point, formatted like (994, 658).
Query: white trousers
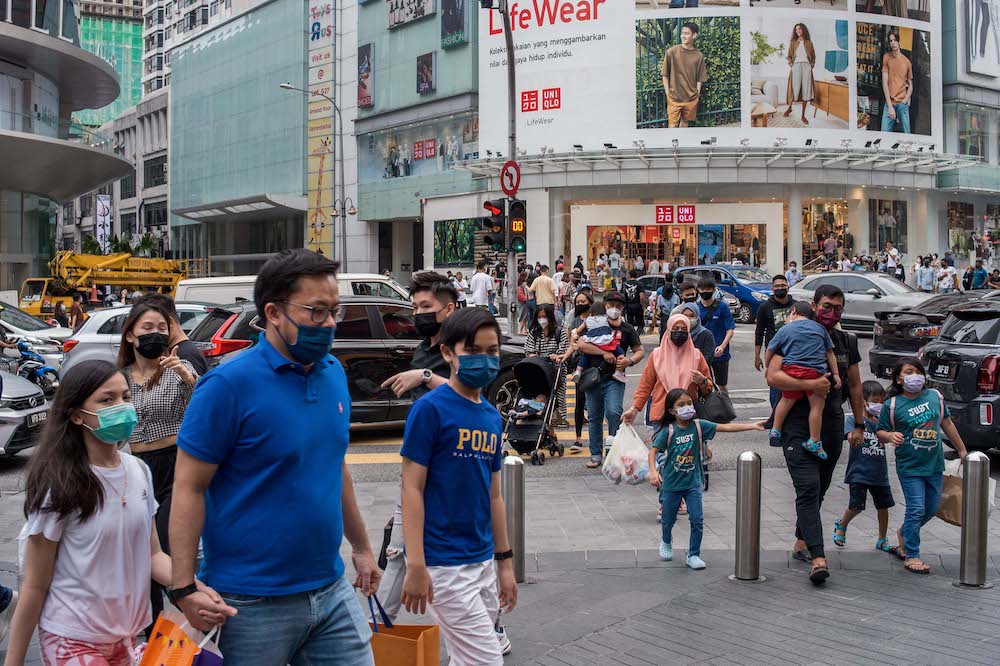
(466, 606)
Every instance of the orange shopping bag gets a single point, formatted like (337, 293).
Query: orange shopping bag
(402, 644)
(174, 642)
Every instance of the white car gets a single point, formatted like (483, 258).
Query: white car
(865, 292)
(236, 288)
(47, 340)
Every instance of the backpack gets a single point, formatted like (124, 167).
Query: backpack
(522, 296)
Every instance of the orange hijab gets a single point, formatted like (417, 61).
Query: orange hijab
(674, 364)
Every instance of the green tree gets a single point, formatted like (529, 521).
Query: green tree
(761, 50)
(89, 245)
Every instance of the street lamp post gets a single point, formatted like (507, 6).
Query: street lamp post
(342, 200)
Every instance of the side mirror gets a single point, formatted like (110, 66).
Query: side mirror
(874, 293)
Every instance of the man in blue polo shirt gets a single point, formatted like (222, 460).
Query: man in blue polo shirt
(716, 317)
(261, 468)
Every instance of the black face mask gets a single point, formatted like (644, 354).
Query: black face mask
(679, 337)
(690, 299)
(426, 324)
(152, 345)
(580, 309)
(780, 293)
(706, 295)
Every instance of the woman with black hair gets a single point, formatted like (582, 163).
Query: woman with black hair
(161, 386)
(90, 546)
(548, 340)
(582, 303)
(913, 420)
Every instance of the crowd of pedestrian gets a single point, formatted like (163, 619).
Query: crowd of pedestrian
(150, 465)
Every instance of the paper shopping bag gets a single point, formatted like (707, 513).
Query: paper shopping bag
(174, 642)
(950, 510)
(403, 644)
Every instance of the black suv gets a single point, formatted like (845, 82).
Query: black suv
(902, 333)
(963, 362)
(375, 340)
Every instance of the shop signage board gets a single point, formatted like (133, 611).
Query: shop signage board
(319, 125)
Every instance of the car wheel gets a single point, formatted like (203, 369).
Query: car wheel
(744, 315)
(502, 392)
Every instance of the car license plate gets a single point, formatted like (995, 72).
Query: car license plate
(37, 419)
(941, 371)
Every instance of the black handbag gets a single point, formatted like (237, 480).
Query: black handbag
(716, 407)
(590, 378)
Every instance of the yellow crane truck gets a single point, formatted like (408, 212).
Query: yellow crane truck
(74, 273)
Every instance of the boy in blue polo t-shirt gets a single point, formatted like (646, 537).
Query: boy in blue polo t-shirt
(454, 524)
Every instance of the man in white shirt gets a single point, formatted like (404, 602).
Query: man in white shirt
(639, 264)
(792, 274)
(654, 267)
(462, 287)
(945, 278)
(482, 286)
(891, 259)
(615, 264)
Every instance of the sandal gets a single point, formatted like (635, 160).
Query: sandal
(915, 567)
(818, 574)
(802, 556)
(815, 448)
(594, 462)
(883, 545)
(841, 539)
(898, 552)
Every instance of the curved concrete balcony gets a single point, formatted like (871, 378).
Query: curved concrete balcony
(55, 160)
(85, 81)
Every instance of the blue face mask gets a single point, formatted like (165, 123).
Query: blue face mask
(312, 343)
(114, 424)
(477, 371)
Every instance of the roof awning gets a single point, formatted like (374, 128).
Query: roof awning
(255, 208)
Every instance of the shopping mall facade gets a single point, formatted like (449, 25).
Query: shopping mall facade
(603, 167)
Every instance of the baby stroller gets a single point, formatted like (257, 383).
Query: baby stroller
(535, 376)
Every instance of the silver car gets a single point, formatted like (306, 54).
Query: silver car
(23, 412)
(865, 292)
(101, 335)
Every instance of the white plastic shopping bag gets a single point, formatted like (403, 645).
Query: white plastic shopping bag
(628, 459)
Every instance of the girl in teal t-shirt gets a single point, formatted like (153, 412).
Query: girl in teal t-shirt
(913, 420)
(683, 439)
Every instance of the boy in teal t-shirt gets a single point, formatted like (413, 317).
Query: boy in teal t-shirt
(913, 420)
(683, 439)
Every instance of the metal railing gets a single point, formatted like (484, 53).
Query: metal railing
(651, 106)
(56, 129)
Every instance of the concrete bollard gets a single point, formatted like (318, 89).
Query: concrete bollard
(748, 519)
(975, 516)
(512, 489)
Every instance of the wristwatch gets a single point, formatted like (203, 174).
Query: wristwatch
(500, 557)
(426, 376)
(176, 594)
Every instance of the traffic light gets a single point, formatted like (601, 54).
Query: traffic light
(494, 224)
(518, 220)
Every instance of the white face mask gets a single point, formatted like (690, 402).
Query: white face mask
(543, 322)
(914, 383)
(686, 412)
(613, 313)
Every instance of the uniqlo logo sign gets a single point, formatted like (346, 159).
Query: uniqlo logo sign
(430, 148)
(418, 150)
(551, 98)
(664, 214)
(529, 101)
(685, 214)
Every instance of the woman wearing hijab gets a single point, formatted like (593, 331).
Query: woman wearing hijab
(676, 363)
(702, 338)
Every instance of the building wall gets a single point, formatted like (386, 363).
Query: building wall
(119, 42)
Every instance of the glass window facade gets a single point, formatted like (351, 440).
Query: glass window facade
(244, 136)
(119, 42)
(27, 237)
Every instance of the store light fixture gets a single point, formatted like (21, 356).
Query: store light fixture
(895, 146)
(610, 146)
(675, 143)
(577, 147)
(745, 142)
(868, 144)
(877, 142)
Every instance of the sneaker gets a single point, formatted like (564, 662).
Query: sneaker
(505, 645)
(575, 447)
(774, 439)
(6, 615)
(666, 551)
(620, 376)
(695, 562)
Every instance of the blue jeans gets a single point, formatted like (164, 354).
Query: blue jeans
(923, 498)
(676, 4)
(902, 117)
(325, 626)
(604, 401)
(671, 502)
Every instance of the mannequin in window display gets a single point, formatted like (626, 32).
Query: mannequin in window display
(392, 161)
(405, 153)
(453, 150)
(439, 156)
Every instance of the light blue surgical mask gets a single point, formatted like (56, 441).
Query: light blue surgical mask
(477, 371)
(115, 424)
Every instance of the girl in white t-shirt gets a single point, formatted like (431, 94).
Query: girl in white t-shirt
(89, 546)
